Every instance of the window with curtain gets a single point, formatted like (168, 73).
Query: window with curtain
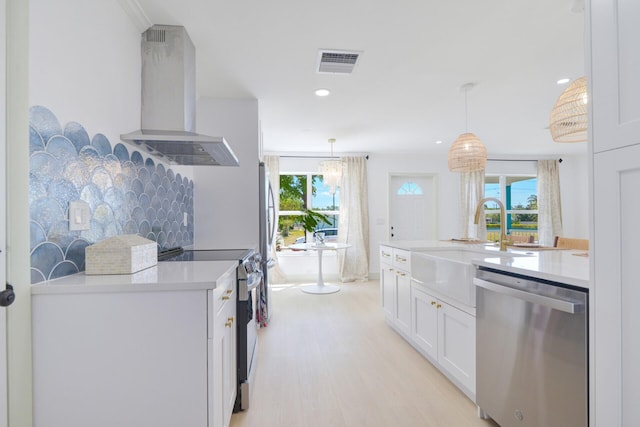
(300, 191)
(519, 195)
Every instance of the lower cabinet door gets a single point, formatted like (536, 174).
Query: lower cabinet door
(216, 414)
(229, 362)
(387, 290)
(457, 344)
(403, 302)
(424, 322)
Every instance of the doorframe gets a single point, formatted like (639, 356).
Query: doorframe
(4, 419)
(19, 370)
(434, 192)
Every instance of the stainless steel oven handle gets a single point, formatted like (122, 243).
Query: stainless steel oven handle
(557, 304)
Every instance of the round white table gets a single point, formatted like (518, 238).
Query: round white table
(320, 287)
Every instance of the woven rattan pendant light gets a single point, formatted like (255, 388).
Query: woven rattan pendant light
(467, 153)
(568, 119)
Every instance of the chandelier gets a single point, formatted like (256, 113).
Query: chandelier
(331, 170)
(568, 119)
(467, 153)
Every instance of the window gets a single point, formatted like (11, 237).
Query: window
(305, 191)
(519, 194)
(409, 188)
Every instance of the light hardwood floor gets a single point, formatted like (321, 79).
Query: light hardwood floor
(331, 360)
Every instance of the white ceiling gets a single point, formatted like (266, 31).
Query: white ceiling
(405, 91)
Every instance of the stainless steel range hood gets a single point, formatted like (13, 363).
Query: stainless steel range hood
(169, 103)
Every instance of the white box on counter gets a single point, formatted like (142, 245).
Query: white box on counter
(124, 254)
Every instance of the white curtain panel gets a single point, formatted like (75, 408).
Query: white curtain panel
(273, 166)
(549, 206)
(353, 225)
(471, 192)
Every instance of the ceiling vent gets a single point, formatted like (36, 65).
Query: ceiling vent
(337, 61)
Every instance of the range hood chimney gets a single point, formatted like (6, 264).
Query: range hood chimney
(168, 113)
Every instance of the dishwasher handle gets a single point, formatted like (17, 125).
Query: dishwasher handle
(557, 304)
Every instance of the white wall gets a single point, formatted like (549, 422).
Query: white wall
(574, 194)
(573, 177)
(225, 197)
(84, 64)
(380, 167)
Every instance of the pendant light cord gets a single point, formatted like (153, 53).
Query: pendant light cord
(466, 111)
(466, 88)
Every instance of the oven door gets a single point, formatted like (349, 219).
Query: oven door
(247, 333)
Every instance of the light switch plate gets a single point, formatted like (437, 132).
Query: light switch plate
(79, 215)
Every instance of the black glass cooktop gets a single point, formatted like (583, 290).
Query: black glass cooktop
(179, 254)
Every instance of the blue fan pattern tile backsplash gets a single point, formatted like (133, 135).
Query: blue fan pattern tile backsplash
(126, 194)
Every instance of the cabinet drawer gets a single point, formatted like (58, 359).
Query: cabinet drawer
(218, 299)
(386, 254)
(402, 259)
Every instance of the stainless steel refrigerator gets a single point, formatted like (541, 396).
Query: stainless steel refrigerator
(267, 234)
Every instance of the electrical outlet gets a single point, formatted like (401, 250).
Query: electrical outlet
(79, 215)
(185, 219)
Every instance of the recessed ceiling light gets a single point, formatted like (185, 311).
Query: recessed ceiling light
(322, 92)
(438, 142)
(563, 81)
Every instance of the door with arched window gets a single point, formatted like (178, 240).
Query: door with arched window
(412, 207)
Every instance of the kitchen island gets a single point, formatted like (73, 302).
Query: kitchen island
(561, 265)
(428, 295)
(153, 348)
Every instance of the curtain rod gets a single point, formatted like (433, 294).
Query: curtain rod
(317, 157)
(516, 160)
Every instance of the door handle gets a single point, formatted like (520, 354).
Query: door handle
(7, 297)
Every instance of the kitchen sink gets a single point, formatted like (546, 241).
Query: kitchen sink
(450, 271)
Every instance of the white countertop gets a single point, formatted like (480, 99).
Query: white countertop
(563, 266)
(165, 276)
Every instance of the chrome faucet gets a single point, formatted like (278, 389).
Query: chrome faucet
(503, 221)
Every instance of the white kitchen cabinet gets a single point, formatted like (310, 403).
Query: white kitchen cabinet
(613, 73)
(457, 344)
(387, 282)
(108, 353)
(223, 347)
(424, 323)
(402, 311)
(446, 335)
(613, 69)
(443, 333)
(615, 290)
(395, 285)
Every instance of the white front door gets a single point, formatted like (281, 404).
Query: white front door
(412, 207)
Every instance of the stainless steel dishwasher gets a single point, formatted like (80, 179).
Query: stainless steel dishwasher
(531, 351)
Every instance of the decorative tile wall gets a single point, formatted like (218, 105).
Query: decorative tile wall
(126, 193)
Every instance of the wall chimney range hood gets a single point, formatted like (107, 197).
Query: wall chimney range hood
(169, 103)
